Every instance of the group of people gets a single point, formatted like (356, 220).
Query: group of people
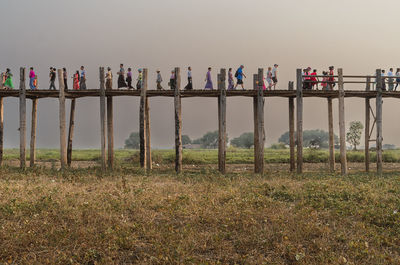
(390, 79)
(6, 80)
(311, 79)
(122, 81)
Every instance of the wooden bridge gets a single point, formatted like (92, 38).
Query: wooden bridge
(257, 93)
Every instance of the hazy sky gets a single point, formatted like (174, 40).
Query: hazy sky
(357, 35)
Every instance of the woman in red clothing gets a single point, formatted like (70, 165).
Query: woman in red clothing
(76, 80)
(314, 79)
(331, 78)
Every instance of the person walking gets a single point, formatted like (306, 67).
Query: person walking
(209, 84)
(230, 80)
(109, 77)
(139, 80)
(397, 78)
(172, 83)
(239, 76)
(31, 78)
(52, 78)
(383, 80)
(8, 84)
(121, 77)
(269, 77)
(275, 75)
(325, 79)
(65, 79)
(159, 80)
(331, 79)
(314, 79)
(129, 78)
(189, 85)
(82, 83)
(75, 79)
(390, 79)
(35, 82)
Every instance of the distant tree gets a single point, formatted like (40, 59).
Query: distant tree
(186, 140)
(353, 136)
(311, 138)
(208, 141)
(278, 146)
(133, 142)
(246, 140)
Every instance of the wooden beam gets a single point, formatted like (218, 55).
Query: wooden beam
(367, 126)
(342, 125)
(1, 129)
(71, 131)
(63, 133)
(110, 129)
(331, 137)
(142, 128)
(103, 119)
(149, 163)
(22, 119)
(299, 105)
(178, 121)
(259, 124)
(292, 141)
(222, 121)
(32, 157)
(379, 137)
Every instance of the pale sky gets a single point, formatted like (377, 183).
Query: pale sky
(356, 35)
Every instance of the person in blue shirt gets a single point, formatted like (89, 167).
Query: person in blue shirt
(82, 84)
(239, 76)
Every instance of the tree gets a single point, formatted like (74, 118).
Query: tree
(311, 138)
(208, 141)
(186, 140)
(133, 142)
(354, 134)
(246, 140)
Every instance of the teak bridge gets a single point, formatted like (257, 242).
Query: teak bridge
(258, 95)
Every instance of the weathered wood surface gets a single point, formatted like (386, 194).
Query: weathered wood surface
(259, 124)
(342, 125)
(299, 120)
(71, 131)
(22, 119)
(103, 119)
(222, 121)
(142, 128)
(379, 137)
(1, 130)
(367, 126)
(149, 162)
(292, 140)
(62, 119)
(178, 121)
(331, 137)
(32, 156)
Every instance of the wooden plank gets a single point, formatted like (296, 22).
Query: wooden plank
(149, 163)
(367, 126)
(103, 119)
(292, 141)
(259, 125)
(331, 137)
(110, 133)
(71, 132)
(142, 128)
(379, 137)
(1, 129)
(178, 122)
(299, 112)
(62, 119)
(22, 119)
(342, 125)
(222, 122)
(33, 133)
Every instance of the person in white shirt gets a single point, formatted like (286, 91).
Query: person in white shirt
(390, 80)
(189, 85)
(397, 78)
(275, 75)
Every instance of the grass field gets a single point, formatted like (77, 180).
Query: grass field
(126, 217)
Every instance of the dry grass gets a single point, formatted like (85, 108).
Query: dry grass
(80, 217)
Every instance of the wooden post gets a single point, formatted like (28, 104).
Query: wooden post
(142, 128)
(103, 119)
(63, 134)
(367, 124)
(149, 164)
(222, 121)
(1, 130)
(178, 121)
(110, 131)
(71, 131)
(299, 104)
(379, 138)
(331, 137)
(22, 119)
(33, 132)
(342, 125)
(292, 141)
(258, 103)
